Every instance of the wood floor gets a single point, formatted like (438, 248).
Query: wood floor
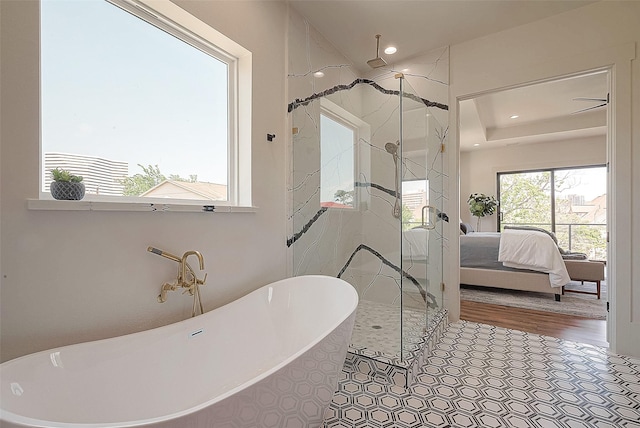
(576, 329)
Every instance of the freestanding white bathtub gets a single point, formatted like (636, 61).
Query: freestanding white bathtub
(269, 359)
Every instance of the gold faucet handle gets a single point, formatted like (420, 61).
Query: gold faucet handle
(202, 281)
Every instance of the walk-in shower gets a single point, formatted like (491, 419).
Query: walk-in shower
(366, 187)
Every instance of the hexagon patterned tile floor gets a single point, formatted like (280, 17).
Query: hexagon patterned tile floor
(485, 376)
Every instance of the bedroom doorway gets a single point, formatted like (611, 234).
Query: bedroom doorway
(551, 130)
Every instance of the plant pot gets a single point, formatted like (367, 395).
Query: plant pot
(67, 191)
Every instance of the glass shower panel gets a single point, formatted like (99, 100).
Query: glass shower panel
(437, 126)
(422, 217)
(347, 215)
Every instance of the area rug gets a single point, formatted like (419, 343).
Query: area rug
(582, 305)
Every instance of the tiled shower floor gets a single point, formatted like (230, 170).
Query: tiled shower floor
(486, 376)
(377, 328)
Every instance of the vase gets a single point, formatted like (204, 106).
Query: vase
(67, 191)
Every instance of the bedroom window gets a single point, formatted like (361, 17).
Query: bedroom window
(571, 202)
(142, 100)
(525, 199)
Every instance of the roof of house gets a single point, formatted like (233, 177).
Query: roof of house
(189, 190)
(330, 204)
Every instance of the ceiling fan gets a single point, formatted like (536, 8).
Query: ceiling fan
(603, 102)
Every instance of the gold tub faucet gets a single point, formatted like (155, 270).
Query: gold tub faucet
(187, 278)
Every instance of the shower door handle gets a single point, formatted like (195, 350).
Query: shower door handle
(428, 210)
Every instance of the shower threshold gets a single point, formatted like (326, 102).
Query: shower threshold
(375, 342)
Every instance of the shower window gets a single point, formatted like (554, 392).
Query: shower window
(338, 138)
(415, 195)
(139, 105)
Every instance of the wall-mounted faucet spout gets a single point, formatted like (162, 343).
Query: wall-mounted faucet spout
(184, 265)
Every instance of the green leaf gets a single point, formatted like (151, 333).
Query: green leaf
(65, 176)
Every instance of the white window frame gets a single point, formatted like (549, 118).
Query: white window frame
(174, 20)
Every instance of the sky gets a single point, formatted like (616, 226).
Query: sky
(589, 182)
(115, 87)
(414, 186)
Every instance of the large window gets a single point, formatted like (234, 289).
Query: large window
(136, 103)
(572, 202)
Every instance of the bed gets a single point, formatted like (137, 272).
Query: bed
(526, 260)
(415, 245)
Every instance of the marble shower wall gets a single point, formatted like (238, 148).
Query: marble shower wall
(363, 244)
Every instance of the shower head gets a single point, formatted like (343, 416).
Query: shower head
(377, 62)
(392, 148)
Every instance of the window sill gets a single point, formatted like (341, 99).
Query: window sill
(57, 205)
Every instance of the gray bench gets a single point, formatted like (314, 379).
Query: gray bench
(585, 270)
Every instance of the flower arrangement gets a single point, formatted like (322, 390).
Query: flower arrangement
(481, 205)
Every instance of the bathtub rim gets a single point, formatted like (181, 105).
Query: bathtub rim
(19, 420)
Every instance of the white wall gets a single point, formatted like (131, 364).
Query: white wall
(479, 168)
(601, 35)
(72, 276)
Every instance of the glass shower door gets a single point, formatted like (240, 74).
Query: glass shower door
(422, 217)
(366, 197)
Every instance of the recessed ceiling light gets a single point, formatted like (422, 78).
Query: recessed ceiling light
(390, 50)
(405, 70)
(476, 144)
(515, 116)
(318, 74)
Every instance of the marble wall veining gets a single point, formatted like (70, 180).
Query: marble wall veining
(320, 239)
(363, 244)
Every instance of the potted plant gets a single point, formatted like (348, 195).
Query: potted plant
(66, 186)
(481, 205)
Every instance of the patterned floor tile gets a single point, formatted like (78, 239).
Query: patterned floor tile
(485, 376)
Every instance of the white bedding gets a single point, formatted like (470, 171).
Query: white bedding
(525, 249)
(414, 244)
